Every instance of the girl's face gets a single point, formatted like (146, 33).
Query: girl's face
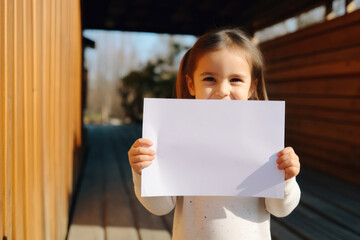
(221, 74)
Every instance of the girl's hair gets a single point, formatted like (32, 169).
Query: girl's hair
(234, 39)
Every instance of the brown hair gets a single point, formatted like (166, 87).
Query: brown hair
(230, 38)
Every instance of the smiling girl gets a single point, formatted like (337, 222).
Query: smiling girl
(223, 64)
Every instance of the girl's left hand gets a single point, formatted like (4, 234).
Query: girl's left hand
(288, 161)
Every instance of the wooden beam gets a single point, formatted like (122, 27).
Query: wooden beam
(272, 12)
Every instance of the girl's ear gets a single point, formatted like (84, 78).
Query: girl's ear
(252, 89)
(190, 85)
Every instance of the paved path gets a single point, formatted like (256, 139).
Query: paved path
(106, 207)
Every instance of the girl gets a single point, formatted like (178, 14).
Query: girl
(222, 64)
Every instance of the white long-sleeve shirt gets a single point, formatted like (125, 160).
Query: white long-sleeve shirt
(221, 217)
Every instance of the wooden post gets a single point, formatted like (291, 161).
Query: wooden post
(40, 62)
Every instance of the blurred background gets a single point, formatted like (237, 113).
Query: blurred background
(124, 67)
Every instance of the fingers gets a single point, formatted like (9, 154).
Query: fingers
(139, 166)
(142, 142)
(141, 151)
(288, 161)
(286, 151)
(140, 156)
(287, 157)
(140, 147)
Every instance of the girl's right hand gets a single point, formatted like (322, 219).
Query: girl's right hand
(140, 156)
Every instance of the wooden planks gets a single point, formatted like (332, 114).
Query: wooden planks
(334, 55)
(278, 232)
(329, 86)
(309, 37)
(87, 222)
(148, 225)
(332, 212)
(39, 131)
(120, 223)
(119, 220)
(317, 72)
(328, 209)
(107, 206)
(334, 38)
(310, 225)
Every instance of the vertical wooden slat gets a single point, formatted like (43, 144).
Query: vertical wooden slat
(19, 156)
(37, 99)
(46, 82)
(69, 105)
(2, 115)
(62, 120)
(8, 125)
(69, 139)
(58, 162)
(52, 138)
(30, 207)
(78, 75)
(75, 72)
(66, 107)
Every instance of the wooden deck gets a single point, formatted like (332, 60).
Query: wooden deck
(106, 207)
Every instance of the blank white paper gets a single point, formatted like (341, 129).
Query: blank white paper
(214, 148)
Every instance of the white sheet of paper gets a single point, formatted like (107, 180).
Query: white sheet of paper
(214, 148)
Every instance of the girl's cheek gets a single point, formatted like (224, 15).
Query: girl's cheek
(206, 93)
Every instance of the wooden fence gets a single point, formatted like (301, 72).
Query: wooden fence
(40, 115)
(317, 72)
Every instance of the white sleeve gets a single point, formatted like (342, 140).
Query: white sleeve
(156, 205)
(283, 207)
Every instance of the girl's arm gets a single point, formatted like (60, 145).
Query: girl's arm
(289, 162)
(283, 207)
(140, 156)
(156, 205)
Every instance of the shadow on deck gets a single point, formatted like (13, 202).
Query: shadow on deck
(106, 207)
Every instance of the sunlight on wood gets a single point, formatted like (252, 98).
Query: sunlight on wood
(113, 233)
(82, 232)
(152, 234)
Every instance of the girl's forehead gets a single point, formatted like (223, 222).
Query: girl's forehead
(237, 50)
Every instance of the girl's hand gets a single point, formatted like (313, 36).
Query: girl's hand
(288, 161)
(140, 156)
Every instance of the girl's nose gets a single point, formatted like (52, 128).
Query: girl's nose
(223, 90)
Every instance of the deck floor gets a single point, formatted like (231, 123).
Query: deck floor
(106, 207)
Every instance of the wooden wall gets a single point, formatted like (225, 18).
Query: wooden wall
(40, 115)
(317, 72)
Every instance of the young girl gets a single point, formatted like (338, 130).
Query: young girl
(223, 64)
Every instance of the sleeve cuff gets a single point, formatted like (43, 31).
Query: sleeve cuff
(289, 185)
(137, 181)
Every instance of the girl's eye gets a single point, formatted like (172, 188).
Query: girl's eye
(236, 80)
(209, 79)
